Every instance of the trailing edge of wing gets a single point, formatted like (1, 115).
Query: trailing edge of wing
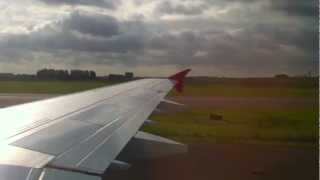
(119, 165)
(172, 102)
(147, 146)
(54, 174)
(151, 137)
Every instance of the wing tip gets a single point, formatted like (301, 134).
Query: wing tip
(178, 79)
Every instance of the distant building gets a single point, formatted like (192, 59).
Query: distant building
(281, 76)
(7, 76)
(22, 77)
(120, 77)
(116, 77)
(60, 74)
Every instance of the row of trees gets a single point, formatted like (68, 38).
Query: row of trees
(60, 74)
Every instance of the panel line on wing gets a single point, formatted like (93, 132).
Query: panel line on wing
(90, 137)
(68, 158)
(103, 142)
(108, 138)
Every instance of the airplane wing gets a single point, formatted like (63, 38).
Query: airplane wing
(79, 136)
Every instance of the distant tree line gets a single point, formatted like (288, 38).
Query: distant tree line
(60, 74)
(20, 77)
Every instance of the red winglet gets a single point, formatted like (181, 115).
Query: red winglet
(179, 79)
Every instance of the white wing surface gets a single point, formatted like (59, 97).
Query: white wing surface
(77, 136)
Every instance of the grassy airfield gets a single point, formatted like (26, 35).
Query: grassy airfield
(287, 124)
(257, 125)
(250, 87)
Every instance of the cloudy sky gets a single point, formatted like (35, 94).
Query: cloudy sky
(158, 37)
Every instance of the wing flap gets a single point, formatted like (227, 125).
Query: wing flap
(9, 172)
(74, 155)
(147, 146)
(59, 174)
(57, 138)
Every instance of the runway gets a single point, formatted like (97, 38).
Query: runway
(227, 162)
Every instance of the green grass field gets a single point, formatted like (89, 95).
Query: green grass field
(239, 125)
(245, 91)
(287, 125)
(264, 87)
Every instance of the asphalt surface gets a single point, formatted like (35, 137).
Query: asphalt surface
(227, 162)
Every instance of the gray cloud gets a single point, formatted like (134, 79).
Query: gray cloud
(97, 3)
(291, 7)
(247, 40)
(167, 7)
(297, 7)
(93, 24)
(79, 32)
